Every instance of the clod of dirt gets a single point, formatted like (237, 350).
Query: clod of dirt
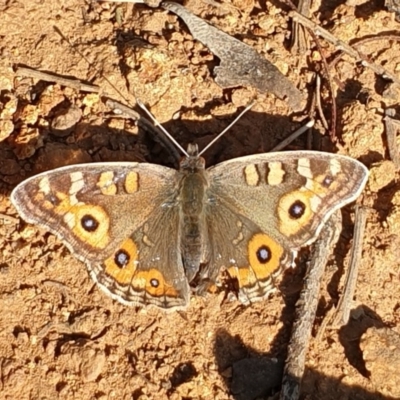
(8, 107)
(86, 361)
(92, 364)
(151, 3)
(27, 142)
(63, 123)
(394, 6)
(381, 353)
(255, 377)
(9, 167)
(381, 174)
(6, 128)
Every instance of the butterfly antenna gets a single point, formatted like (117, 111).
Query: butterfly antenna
(158, 125)
(228, 127)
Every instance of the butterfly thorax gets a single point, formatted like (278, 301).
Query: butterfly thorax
(193, 230)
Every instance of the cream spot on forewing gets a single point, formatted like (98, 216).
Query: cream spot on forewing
(303, 168)
(76, 176)
(275, 173)
(335, 166)
(310, 185)
(69, 219)
(77, 182)
(251, 175)
(315, 203)
(44, 185)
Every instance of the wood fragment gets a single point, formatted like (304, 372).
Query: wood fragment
(299, 38)
(51, 77)
(346, 299)
(392, 127)
(250, 69)
(318, 102)
(306, 309)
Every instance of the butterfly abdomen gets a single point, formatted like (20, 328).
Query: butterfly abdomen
(192, 221)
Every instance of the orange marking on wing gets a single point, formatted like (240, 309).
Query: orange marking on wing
(73, 215)
(263, 270)
(106, 184)
(123, 275)
(153, 282)
(258, 270)
(287, 225)
(132, 182)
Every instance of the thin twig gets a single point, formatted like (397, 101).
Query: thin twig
(360, 42)
(299, 37)
(88, 61)
(346, 299)
(392, 126)
(50, 77)
(303, 10)
(330, 86)
(311, 115)
(318, 101)
(341, 45)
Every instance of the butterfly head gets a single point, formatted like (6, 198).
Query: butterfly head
(192, 161)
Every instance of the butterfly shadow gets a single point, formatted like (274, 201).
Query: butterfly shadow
(85, 142)
(250, 374)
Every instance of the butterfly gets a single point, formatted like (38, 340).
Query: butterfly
(147, 233)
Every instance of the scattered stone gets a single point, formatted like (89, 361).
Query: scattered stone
(381, 174)
(92, 364)
(64, 122)
(83, 359)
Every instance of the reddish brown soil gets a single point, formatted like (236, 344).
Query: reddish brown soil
(60, 336)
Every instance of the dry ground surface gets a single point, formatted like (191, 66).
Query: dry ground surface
(60, 336)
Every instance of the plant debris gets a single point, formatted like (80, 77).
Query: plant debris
(250, 69)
